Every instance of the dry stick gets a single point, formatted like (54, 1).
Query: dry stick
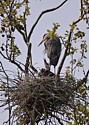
(68, 44)
(30, 33)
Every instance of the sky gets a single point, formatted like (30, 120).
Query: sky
(64, 16)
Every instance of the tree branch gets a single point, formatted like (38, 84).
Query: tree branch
(23, 35)
(29, 60)
(12, 61)
(68, 44)
(81, 7)
(84, 80)
(42, 13)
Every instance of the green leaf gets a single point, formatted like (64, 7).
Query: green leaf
(1, 30)
(70, 123)
(48, 31)
(73, 61)
(68, 67)
(79, 64)
(79, 34)
(8, 2)
(18, 5)
(81, 90)
(52, 32)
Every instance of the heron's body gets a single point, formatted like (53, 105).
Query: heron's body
(53, 49)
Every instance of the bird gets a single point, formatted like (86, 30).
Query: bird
(52, 48)
(43, 72)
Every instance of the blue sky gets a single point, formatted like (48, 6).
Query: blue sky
(64, 16)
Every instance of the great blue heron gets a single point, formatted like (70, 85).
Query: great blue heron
(52, 48)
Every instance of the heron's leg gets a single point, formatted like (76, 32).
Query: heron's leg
(47, 65)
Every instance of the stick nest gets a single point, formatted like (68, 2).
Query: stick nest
(38, 97)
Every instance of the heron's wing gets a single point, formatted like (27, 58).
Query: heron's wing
(55, 52)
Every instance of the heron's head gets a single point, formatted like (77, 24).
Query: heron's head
(45, 38)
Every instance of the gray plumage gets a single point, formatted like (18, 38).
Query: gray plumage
(53, 49)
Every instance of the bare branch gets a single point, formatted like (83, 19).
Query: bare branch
(3, 69)
(81, 7)
(29, 60)
(42, 13)
(23, 35)
(12, 61)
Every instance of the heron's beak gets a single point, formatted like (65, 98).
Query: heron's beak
(44, 39)
(41, 42)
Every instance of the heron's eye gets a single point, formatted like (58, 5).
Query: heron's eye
(44, 35)
(48, 38)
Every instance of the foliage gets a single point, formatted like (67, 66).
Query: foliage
(13, 21)
(52, 32)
